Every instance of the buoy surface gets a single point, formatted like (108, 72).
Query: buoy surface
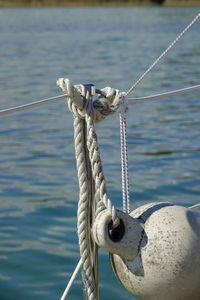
(167, 266)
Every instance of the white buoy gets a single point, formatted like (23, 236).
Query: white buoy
(167, 263)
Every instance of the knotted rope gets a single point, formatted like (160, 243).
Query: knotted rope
(87, 112)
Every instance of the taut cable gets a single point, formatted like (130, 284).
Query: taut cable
(163, 54)
(19, 108)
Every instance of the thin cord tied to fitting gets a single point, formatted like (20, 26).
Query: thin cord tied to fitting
(124, 155)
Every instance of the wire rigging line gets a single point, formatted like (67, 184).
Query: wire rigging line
(163, 54)
(164, 95)
(12, 110)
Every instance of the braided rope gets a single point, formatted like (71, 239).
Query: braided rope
(83, 211)
(123, 167)
(84, 111)
(126, 166)
(124, 156)
(102, 199)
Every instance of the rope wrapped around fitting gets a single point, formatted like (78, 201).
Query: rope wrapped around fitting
(84, 110)
(101, 108)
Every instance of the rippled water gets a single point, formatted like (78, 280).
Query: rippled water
(38, 184)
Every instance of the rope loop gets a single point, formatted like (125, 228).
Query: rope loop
(76, 100)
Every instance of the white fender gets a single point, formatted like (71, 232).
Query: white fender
(167, 265)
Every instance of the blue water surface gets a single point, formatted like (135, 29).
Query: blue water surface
(38, 184)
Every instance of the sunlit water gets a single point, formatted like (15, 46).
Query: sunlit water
(38, 184)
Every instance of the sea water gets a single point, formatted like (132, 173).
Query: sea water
(38, 184)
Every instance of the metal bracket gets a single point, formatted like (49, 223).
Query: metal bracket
(91, 88)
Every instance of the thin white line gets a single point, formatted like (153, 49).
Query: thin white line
(163, 54)
(163, 95)
(12, 110)
(64, 296)
(31, 105)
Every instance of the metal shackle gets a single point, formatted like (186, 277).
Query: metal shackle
(124, 240)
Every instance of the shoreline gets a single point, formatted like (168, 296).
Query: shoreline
(82, 3)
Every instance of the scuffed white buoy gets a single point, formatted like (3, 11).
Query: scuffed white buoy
(123, 240)
(167, 264)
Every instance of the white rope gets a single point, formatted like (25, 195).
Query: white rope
(85, 113)
(163, 54)
(76, 105)
(83, 207)
(124, 157)
(69, 285)
(97, 170)
(126, 167)
(123, 173)
(12, 110)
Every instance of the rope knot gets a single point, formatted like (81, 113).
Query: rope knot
(75, 95)
(106, 104)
